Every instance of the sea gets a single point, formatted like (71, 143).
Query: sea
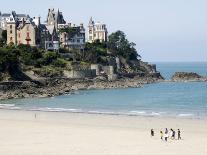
(177, 100)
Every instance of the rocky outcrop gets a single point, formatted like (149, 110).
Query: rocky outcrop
(55, 87)
(188, 77)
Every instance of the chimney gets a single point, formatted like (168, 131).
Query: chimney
(39, 19)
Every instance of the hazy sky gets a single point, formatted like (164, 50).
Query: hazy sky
(164, 30)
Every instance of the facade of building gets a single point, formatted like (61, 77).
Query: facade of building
(55, 18)
(49, 37)
(49, 30)
(72, 41)
(97, 31)
(22, 31)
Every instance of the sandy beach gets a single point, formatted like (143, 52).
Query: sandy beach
(58, 133)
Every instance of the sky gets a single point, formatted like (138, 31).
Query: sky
(163, 30)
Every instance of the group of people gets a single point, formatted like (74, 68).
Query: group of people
(167, 134)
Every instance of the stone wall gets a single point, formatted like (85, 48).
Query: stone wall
(80, 74)
(96, 67)
(109, 70)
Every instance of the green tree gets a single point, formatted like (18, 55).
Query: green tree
(4, 36)
(95, 51)
(71, 31)
(120, 46)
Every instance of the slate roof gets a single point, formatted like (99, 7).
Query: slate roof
(6, 15)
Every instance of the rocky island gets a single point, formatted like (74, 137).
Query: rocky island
(188, 77)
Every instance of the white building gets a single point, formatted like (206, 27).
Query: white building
(97, 31)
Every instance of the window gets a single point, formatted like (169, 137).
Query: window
(10, 31)
(10, 26)
(11, 39)
(27, 34)
(78, 40)
(90, 31)
(19, 35)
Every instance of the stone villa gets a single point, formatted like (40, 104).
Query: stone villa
(22, 30)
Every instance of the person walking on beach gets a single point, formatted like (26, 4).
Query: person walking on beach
(166, 134)
(161, 135)
(179, 136)
(152, 133)
(173, 134)
(166, 130)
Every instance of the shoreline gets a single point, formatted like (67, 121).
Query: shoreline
(73, 111)
(36, 133)
(58, 90)
(60, 87)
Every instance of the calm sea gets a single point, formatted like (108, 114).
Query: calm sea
(183, 100)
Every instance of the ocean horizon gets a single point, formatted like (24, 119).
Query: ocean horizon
(166, 99)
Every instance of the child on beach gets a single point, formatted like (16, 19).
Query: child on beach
(161, 135)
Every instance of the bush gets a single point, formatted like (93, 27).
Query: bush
(49, 57)
(60, 62)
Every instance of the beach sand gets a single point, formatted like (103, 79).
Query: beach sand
(58, 133)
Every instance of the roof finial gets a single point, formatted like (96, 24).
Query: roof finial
(91, 21)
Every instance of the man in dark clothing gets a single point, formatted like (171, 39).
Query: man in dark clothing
(179, 137)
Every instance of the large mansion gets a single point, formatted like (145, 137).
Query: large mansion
(22, 31)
